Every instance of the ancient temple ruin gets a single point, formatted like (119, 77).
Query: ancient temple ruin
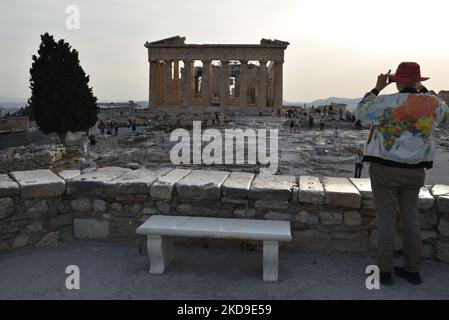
(225, 75)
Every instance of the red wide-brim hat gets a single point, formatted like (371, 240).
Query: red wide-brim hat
(408, 72)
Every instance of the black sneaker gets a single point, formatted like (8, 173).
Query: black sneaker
(410, 277)
(385, 278)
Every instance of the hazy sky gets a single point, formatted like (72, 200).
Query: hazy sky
(337, 48)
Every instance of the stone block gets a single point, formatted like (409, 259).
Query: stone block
(352, 218)
(278, 216)
(38, 183)
(20, 241)
(92, 183)
(329, 218)
(201, 185)
(62, 220)
(440, 190)
(340, 192)
(425, 199)
(90, 229)
(99, 205)
(271, 204)
(237, 185)
(50, 239)
(8, 187)
(443, 204)
(272, 187)
(69, 174)
(134, 182)
(363, 185)
(307, 218)
(244, 213)
(81, 204)
(442, 251)
(310, 190)
(443, 227)
(6, 207)
(163, 187)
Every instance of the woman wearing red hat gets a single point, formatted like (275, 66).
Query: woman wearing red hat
(400, 147)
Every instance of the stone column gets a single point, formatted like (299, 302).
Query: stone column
(206, 84)
(262, 96)
(175, 86)
(243, 78)
(168, 94)
(187, 83)
(277, 98)
(153, 80)
(224, 85)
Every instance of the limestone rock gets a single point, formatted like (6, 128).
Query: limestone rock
(163, 187)
(99, 205)
(310, 190)
(20, 241)
(49, 239)
(134, 182)
(352, 218)
(307, 218)
(8, 187)
(442, 251)
(443, 227)
(330, 218)
(237, 185)
(271, 204)
(363, 185)
(62, 220)
(272, 187)
(243, 213)
(425, 199)
(278, 216)
(6, 207)
(69, 174)
(440, 190)
(340, 192)
(81, 204)
(93, 182)
(443, 204)
(201, 185)
(38, 183)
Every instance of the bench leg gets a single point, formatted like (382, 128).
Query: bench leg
(160, 253)
(270, 260)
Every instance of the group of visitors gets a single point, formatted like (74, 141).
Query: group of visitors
(110, 127)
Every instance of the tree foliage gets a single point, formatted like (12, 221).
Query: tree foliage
(61, 99)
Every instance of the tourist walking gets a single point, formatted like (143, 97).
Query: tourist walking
(358, 163)
(322, 123)
(310, 121)
(400, 147)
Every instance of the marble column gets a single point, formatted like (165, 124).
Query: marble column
(277, 99)
(153, 80)
(187, 83)
(168, 94)
(224, 85)
(243, 78)
(262, 94)
(206, 83)
(175, 86)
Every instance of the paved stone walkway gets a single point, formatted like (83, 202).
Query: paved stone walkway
(117, 271)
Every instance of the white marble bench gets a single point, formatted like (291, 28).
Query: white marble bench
(160, 229)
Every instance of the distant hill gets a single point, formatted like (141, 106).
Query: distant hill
(352, 103)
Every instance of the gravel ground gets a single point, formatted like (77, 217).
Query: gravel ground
(112, 270)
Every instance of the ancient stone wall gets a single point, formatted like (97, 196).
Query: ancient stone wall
(331, 215)
(30, 157)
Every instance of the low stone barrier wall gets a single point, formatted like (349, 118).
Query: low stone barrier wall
(329, 215)
(30, 157)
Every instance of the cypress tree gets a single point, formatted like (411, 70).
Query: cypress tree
(61, 99)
